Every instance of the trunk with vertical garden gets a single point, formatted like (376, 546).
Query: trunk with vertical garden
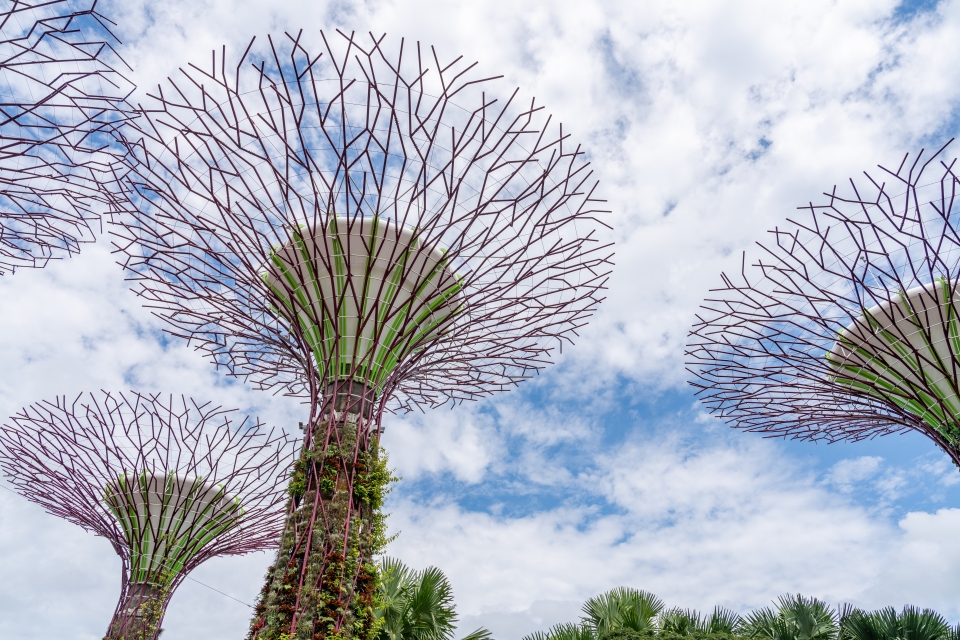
(347, 233)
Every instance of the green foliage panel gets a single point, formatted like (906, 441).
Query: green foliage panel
(364, 301)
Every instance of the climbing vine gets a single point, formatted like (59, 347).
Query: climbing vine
(151, 611)
(149, 614)
(344, 598)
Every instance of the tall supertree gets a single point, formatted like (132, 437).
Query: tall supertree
(369, 228)
(170, 482)
(62, 93)
(846, 327)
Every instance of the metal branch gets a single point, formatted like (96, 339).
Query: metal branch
(848, 327)
(62, 94)
(368, 227)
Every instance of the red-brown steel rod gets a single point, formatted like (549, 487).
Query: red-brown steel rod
(62, 95)
(844, 327)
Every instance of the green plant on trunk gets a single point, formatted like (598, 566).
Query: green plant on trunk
(346, 582)
(149, 613)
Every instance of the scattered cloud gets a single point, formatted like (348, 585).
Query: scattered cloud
(707, 122)
(847, 473)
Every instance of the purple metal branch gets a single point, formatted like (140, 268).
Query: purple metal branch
(845, 327)
(368, 228)
(61, 96)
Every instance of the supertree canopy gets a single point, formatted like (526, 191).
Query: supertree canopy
(358, 223)
(846, 327)
(169, 482)
(62, 92)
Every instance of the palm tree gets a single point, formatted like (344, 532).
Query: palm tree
(687, 622)
(886, 624)
(619, 614)
(565, 631)
(630, 614)
(622, 609)
(681, 622)
(795, 618)
(723, 621)
(416, 605)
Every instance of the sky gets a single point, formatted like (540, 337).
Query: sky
(707, 122)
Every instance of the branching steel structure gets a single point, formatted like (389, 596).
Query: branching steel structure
(169, 482)
(61, 95)
(367, 227)
(847, 325)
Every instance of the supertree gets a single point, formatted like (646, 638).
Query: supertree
(62, 93)
(365, 227)
(846, 327)
(170, 482)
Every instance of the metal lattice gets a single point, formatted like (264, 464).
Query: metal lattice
(847, 326)
(62, 93)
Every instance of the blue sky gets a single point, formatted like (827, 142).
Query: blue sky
(707, 122)
(891, 472)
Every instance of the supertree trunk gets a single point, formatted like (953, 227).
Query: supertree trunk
(323, 582)
(139, 614)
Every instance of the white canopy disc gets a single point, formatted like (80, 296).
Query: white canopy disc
(906, 352)
(366, 294)
(168, 519)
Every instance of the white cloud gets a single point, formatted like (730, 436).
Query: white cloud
(56, 577)
(707, 122)
(69, 328)
(461, 441)
(699, 526)
(846, 473)
(74, 327)
(946, 471)
(926, 570)
(62, 582)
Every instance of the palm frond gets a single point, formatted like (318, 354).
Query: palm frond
(392, 596)
(813, 619)
(416, 605)
(856, 624)
(795, 618)
(431, 614)
(478, 634)
(622, 608)
(723, 621)
(571, 631)
(763, 623)
(926, 624)
(682, 622)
